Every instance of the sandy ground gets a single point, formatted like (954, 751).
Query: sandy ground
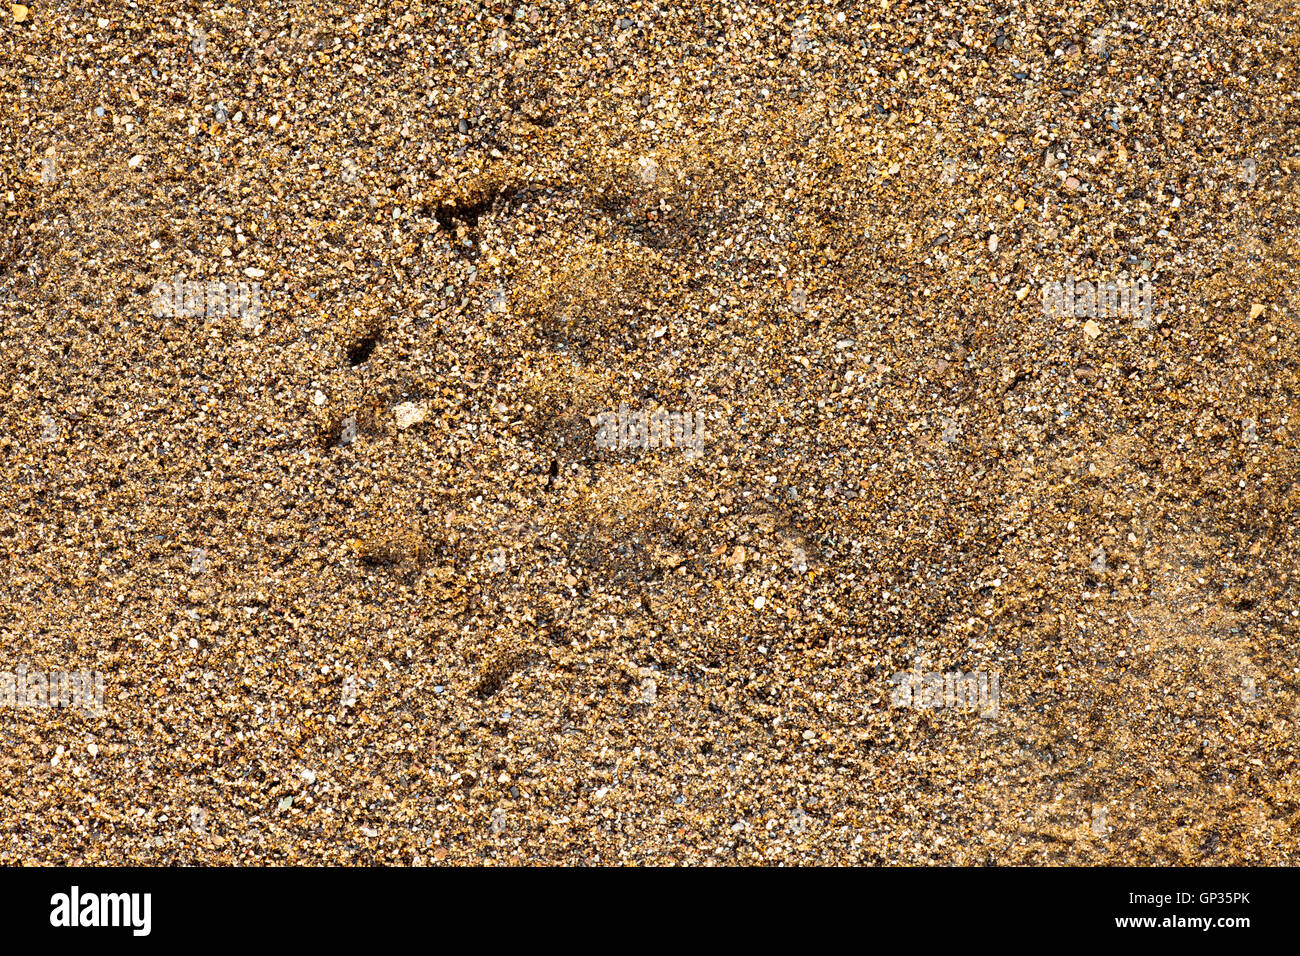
(361, 583)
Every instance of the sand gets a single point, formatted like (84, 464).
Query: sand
(362, 585)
